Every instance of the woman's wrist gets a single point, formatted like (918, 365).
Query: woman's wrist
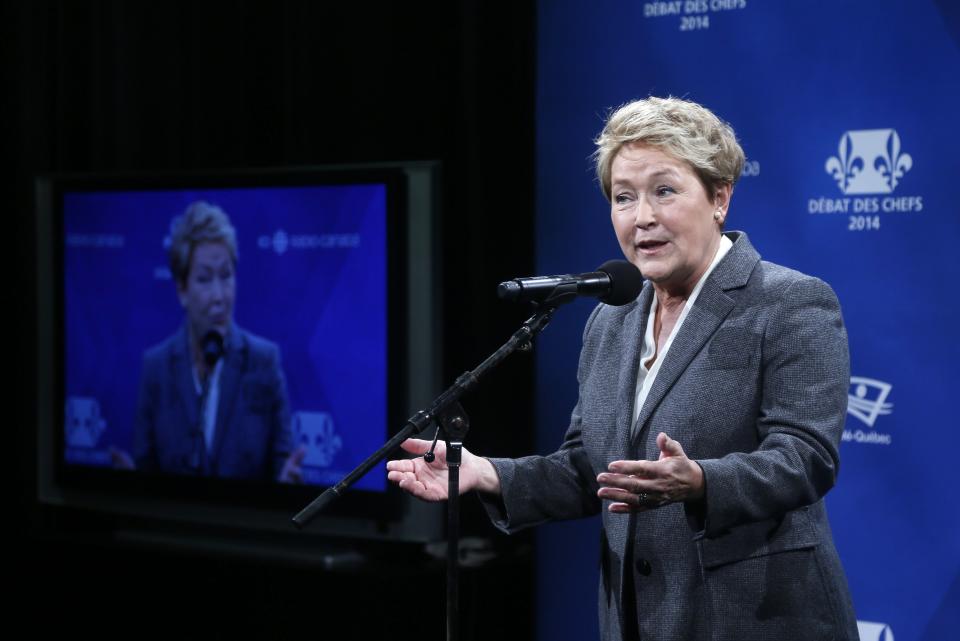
(488, 481)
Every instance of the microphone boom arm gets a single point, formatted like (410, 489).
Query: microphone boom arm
(520, 340)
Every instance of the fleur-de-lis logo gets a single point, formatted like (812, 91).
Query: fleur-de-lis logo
(869, 161)
(844, 167)
(84, 423)
(893, 164)
(316, 432)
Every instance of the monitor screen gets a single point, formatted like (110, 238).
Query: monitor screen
(294, 279)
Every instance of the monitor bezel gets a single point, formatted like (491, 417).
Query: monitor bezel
(411, 194)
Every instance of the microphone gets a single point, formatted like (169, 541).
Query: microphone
(616, 282)
(211, 345)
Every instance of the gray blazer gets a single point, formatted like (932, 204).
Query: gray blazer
(755, 389)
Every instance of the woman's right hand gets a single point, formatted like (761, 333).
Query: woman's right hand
(428, 481)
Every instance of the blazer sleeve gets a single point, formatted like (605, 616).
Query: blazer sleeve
(562, 485)
(282, 436)
(805, 381)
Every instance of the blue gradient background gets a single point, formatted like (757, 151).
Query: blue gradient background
(791, 77)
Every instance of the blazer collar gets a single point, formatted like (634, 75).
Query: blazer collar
(232, 342)
(234, 364)
(632, 329)
(181, 362)
(711, 308)
(734, 270)
(235, 349)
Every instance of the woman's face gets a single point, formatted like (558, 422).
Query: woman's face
(663, 216)
(210, 288)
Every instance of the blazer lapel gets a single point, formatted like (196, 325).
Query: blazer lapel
(230, 376)
(711, 308)
(182, 365)
(634, 326)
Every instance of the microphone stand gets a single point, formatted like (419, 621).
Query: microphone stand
(453, 425)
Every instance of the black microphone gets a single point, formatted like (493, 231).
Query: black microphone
(616, 282)
(211, 345)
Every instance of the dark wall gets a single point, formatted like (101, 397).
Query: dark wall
(122, 86)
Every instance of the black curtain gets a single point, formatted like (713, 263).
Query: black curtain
(157, 86)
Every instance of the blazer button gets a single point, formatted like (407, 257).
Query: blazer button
(643, 567)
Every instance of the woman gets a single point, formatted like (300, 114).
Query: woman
(213, 398)
(709, 413)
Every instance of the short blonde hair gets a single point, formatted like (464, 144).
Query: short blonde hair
(201, 222)
(684, 129)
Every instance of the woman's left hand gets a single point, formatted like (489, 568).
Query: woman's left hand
(636, 486)
(292, 471)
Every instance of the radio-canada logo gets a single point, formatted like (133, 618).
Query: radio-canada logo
(869, 166)
(867, 401)
(869, 162)
(280, 241)
(871, 631)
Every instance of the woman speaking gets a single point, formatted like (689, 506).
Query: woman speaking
(709, 414)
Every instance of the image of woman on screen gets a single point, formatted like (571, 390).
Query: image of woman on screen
(212, 399)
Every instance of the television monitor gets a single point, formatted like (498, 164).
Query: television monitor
(325, 306)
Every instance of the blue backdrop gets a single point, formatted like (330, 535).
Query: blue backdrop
(308, 258)
(848, 115)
